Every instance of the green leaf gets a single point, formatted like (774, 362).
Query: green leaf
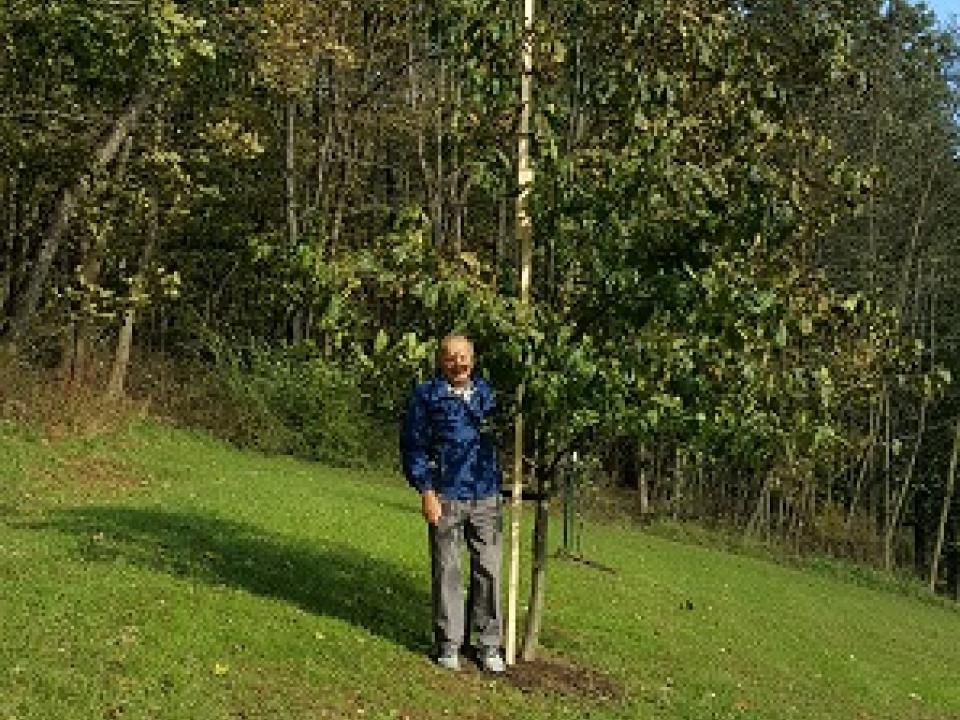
(380, 342)
(781, 337)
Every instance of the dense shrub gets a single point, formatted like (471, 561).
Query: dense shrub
(278, 400)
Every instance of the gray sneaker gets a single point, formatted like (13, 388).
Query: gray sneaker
(491, 661)
(449, 662)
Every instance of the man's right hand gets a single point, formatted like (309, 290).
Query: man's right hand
(430, 507)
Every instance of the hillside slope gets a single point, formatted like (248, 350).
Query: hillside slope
(159, 574)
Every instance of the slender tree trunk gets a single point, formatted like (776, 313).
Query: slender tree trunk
(885, 417)
(438, 187)
(76, 363)
(886, 406)
(944, 511)
(643, 481)
(293, 230)
(861, 476)
(79, 344)
(325, 153)
(290, 170)
(538, 575)
(9, 243)
(679, 479)
(894, 520)
(761, 510)
(416, 106)
(458, 185)
(905, 272)
(340, 203)
(921, 498)
(63, 213)
(121, 360)
(501, 244)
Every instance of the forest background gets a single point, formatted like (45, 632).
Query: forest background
(258, 217)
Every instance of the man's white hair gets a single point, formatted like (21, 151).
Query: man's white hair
(454, 338)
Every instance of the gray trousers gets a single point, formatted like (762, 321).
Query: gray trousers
(478, 522)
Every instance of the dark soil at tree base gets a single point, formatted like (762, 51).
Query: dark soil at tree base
(558, 677)
(553, 676)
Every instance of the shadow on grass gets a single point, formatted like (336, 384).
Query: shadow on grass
(405, 508)
(326, 579)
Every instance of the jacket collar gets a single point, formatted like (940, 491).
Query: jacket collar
(442, 388)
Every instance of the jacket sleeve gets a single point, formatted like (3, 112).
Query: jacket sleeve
(415, 442)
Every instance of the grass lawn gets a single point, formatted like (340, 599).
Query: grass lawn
(158, 574)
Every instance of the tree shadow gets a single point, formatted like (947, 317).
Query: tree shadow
(322, 578)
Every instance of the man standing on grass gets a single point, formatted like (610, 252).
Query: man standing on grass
(451, 460)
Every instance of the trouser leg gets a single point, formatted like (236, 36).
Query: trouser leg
(483, 530)
(446, 580)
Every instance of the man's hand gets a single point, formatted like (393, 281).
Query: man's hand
(430, 507)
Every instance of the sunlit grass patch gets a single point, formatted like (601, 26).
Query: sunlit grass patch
(218, 584)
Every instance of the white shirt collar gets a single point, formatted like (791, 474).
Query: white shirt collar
(465, 392)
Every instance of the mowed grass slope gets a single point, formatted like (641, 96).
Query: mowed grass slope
(159, 574)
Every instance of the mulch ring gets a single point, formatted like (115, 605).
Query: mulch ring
(553, 676)
(561, 678)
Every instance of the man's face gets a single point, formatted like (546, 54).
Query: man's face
(456, 362)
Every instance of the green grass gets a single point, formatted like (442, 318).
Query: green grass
(158, 574)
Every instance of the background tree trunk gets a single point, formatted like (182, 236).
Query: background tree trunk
(121, 360)
(944, 512)
(63, 213)
(893, 520)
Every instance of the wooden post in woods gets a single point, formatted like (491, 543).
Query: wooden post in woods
(525, 246)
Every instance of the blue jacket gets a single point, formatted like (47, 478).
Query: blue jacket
(446, 444)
